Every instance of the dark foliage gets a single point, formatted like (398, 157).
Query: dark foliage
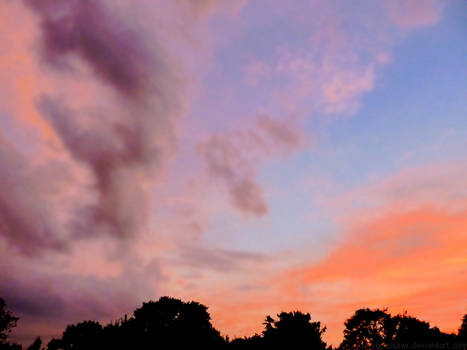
(174, 324)
(165, 323)
(36, 345)
(293, 329)
(253, 342)
(462, 333)
(7, 323)
(375, 329)
(86, 335)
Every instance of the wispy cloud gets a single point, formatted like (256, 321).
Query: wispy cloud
(414, 14)
(233, 157)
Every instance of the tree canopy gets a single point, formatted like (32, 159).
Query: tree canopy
(293, 329)
(462, 332)
(173, 323)
(371, 329)
(7, 323)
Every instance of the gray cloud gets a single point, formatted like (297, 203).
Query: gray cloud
(122, 138)
(27, 196)
(88, 30)
(215, 258)
(232, 158)
(57, 300)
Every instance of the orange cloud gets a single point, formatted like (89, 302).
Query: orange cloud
(404, 248)
(414, 260)
(406, 256)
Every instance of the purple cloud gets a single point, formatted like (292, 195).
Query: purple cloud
(232, 159)
(122, 137)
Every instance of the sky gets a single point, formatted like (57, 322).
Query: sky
(257, 156)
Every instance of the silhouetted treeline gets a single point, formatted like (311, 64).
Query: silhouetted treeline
(172, 323)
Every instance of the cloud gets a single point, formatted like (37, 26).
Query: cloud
(325, 68)
(232, 158)
(135, 139)
(406, 257)
(27, 197)
(405, 249)
(223, 260)
(412, 14)
(107, 95)
(329, 82)
(92, 98)
(436, 184)
(335, 55)
(410, 261)
(255, 71)
(46, 302)
(88, 30)
(203, 7)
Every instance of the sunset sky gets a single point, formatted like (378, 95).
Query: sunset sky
(257, 156)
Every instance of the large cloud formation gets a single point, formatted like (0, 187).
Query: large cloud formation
(116, 121)
(47, 301)
(137, 138)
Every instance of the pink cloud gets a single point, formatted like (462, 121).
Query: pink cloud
(412, 14)
(256, 71)
(103, 104)
(328, 74)
(202, 7)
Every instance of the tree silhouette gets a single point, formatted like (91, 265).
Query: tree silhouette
(172, 322)
(368, 329)
(82, 336)
(54, 344)
(293, 330)
(118, 335)
(36, 345)
(410, 330)
(7, 322)
(166, 323)
(378, 329)
(253, 342)
(462, 333)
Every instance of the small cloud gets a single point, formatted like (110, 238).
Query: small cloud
(215, 258)
(232, 158)
(411, 14)
(256, 71)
